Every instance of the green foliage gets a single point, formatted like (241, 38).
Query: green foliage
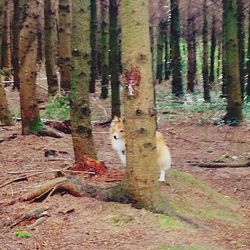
(167, 221)
(246, 111)
(35, 126)
(119, 219)
(23, 234)
(58, 108)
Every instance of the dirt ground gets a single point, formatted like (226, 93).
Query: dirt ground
(218, 198)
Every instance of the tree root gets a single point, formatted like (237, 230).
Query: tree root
(222, 164)
(114, 194)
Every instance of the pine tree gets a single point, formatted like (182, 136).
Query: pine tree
(79, 98)
(177, 87)
(231, 64)
(50, 46)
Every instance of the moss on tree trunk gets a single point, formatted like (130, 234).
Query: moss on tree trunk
(241, 44)
(79, 99)
(231, 57)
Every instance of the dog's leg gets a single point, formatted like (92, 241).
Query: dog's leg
(162, 175)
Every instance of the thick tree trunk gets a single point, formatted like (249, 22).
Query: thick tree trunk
(160, 46)
(105, 48)
(191, 46)
(5, 115)
(141, 173)
(93, 44)
(212, 51)
(80, 111)
(219, 58)
(50, 46)
(64, 48)
(18, 13)
(153, 42)
(231, 57)
(166, 54)
(114, 58)
(28, 68)
(177, 87)
(6, 36)
(248, 62)
(205, 76)
(241, 44)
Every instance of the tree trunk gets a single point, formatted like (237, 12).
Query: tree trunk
(5, 115)
(105, 48)
(141, 173)
(205, 76)
(248, 62)
(6, 38)
(64, 48)
(177, 87)
(166, 50)
(219, 57)
(241, 44)
(212, 51)
(191, 45)
(232, 71)
(160, 46)
(114, 58)
(50, 46)
(18, 13)
(93, 44)
(80, 111)
(153, 42)
(28, 68)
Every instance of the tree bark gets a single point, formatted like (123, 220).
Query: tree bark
(5, 116)
(64, 47)
(6, 36)
(28, 69)
(231, 57)
(80, 111)
(160, 46)
(105, 48)
(206, 85)
(93, 44)
(177, 87)
(166, 54)
(18, 13)
(140, 182)
(248, 55)
(50, 48)
(114, 58)
(191, 43)
(241, 44)
(212, 51)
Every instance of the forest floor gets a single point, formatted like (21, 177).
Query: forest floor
(219, 198)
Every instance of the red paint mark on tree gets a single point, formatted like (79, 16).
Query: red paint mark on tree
(132, 78)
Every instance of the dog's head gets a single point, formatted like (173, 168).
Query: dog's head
(117, 128)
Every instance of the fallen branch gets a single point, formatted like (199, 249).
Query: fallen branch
(222, 164)
(8, 138)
